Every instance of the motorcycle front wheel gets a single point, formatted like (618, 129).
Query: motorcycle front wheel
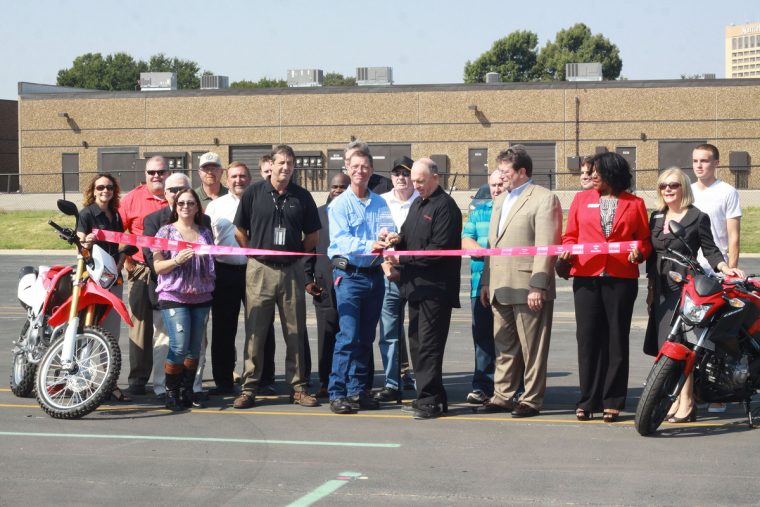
(75, 392)
(656, 398)
(22, 371)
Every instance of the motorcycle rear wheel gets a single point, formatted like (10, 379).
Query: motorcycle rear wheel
(655, 401)
(22, 371)
(65, 394)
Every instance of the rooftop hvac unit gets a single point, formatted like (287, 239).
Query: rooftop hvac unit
(493, 77)
(374, 76)
(583, 71)
(158, 81)
(215, 82)
(305, 77)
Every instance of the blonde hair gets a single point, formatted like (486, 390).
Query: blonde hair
(687, 197)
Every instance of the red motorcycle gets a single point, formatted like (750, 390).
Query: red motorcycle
(715, 336)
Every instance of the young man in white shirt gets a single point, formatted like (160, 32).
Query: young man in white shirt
(720, 201)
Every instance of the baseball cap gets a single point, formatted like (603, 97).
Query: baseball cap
(210, 158)
(402, 163)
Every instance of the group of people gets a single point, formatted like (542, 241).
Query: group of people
(357, 280)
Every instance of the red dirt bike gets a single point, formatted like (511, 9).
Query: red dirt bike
(715, 336)
(80, 361)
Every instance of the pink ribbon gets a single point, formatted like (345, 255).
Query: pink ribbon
(532, 251)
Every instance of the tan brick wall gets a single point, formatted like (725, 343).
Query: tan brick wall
(433, 119)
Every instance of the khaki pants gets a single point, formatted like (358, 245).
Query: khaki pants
(141, 334)
(266, 287)
(522, 339)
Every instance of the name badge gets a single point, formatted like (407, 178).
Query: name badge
(279, 236)
(592, 205)
(659, 215)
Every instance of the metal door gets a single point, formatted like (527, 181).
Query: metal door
(544, 157)
(678, 154)
(383, 156)
(249, 154)
(122, 163)
(629, 154)
(70, 172)
(477, 163)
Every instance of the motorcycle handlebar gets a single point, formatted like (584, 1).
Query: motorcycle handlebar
(690, 263)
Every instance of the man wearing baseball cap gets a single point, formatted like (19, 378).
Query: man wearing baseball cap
(210, 170)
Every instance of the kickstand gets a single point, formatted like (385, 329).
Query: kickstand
(748, 410)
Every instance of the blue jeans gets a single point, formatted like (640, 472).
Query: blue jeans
(391, 329)
(485, 353)
(185, 326)
(359, 297)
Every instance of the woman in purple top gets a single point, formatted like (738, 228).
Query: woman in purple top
(185, 286)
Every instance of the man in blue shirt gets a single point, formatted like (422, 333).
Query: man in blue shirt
(475, 235)
(356, 219)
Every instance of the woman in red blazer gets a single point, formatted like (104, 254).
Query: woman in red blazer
(605, 286)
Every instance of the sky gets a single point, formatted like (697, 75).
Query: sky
(424, 41)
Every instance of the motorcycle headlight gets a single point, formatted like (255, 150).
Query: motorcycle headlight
(107, 279)
(693, 313)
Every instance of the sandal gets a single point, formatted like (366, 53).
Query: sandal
(118, 395)
(583, 415)
(610, 417)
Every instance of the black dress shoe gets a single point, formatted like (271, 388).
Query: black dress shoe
(428, 411)
(489, 407)
(137, 389)
(363, 402)
(523, 410)
(341, 406)
(387, 394)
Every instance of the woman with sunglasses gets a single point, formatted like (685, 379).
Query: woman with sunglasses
(101, 204)
(185, 287)
(605, 286)
(674, 204)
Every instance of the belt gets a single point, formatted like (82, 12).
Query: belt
(272, 264)
(342, 264)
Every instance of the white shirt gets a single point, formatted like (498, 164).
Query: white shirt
(399, 209)
(509, 202)
(222, 212)
(720, 201)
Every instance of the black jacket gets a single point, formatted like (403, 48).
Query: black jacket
(698, 235)
(319, 269)
(434, 223)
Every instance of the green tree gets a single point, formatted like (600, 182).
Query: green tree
(513, 57)
(338, 79)
(577, 45)
(121, 71)
(264, 82)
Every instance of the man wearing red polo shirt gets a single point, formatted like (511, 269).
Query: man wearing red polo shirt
(135, 206)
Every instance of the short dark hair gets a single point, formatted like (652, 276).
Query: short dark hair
(174, 216)
(613, 170)
(239, 164)
(711, 148)
(362, 153)
(283, 149)
(264, 159)
(518, 156)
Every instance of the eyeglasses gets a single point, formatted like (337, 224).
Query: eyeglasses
(209, 167)
(153, 173)
(398, 174)
(174, 190)
(100, 188)
(672, 186)
(186, 204)
(335, 187)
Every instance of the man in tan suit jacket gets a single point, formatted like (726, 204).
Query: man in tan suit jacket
(521, 288)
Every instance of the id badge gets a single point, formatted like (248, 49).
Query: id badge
(279, 236)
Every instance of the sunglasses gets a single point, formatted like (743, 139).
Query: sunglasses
(100, 188)
(399, 174)
(186, 204)
(671, 186)
(174, 190)
(335, 187)
(153, 173)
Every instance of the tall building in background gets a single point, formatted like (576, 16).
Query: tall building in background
(743, 50)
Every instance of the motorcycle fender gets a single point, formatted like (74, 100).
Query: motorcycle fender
(92, 294)
(678, 352)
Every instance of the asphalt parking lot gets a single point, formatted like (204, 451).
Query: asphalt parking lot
(280, 454)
